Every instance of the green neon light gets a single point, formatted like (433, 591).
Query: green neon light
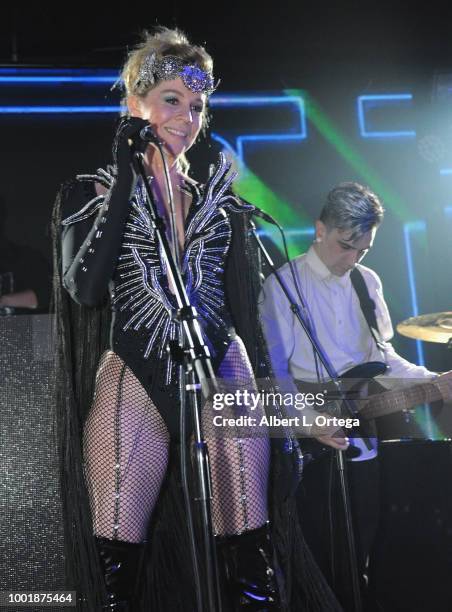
(338, 140)
(426, 424)
(250, 187)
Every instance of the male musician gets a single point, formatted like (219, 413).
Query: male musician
(340, 311)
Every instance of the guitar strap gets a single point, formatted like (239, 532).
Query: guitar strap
(367, 306)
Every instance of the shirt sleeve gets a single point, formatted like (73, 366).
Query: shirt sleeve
(398, 367)
(278, 327)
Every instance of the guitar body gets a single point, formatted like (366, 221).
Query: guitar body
(366, 371)
(355, 383)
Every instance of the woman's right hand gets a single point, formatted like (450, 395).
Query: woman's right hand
(127, 132)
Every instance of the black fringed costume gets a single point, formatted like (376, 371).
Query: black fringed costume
(135, 321)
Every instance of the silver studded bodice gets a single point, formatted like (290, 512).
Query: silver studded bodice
(143, 306)
(143, 303)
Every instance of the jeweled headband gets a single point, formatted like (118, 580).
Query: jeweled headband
(170, 67)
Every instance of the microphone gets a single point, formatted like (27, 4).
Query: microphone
(263, 215)
(148, 135)
(260, 213)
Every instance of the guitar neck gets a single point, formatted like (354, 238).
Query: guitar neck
(389, 402)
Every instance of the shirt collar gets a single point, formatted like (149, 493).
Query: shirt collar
(320, 269)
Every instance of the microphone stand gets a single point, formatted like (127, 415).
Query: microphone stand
(198, 375)
(295, 308)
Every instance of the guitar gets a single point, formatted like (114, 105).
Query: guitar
(380, 404)
(389, 402)
(353, 383)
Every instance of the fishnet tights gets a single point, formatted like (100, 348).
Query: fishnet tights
(239, 461)
(126, 445)
(126, 453)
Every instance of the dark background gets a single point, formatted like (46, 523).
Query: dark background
(267, 46)
(333, 51)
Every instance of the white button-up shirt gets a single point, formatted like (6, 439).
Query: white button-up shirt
(336, 319)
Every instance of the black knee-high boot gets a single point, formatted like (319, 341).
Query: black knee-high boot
(249, 570)
(121, 564)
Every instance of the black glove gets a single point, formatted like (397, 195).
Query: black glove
(127, 139)
(91, 248)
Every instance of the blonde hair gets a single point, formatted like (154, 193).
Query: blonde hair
(162, 41)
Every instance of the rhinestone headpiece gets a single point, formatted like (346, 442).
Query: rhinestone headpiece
(170, 67)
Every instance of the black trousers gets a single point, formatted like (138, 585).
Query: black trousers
(322, 517)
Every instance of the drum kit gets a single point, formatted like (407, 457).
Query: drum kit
(436, 327)
(417, 504)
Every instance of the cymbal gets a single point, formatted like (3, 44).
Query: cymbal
(436, 327)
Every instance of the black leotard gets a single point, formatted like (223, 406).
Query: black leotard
(143, 306)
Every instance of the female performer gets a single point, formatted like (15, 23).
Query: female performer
(128, 414)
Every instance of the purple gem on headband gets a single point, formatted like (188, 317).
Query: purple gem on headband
(170, 67)
(196, 79)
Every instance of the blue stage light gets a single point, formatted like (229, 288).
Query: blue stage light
(381, 100)
(298, 133)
